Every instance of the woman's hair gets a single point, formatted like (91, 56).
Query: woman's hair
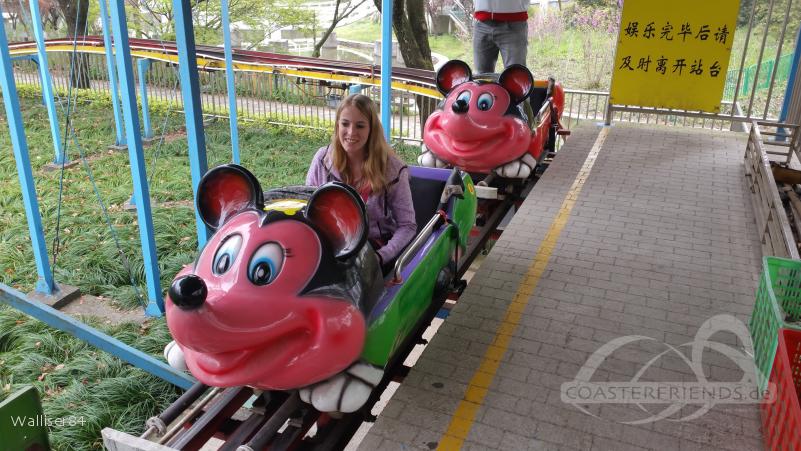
(378, 150)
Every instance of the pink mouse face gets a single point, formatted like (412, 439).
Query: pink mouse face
(246, 314)
(480, 137)
(254, 327)
(479, 127)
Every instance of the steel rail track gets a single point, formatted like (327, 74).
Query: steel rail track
(213, 58)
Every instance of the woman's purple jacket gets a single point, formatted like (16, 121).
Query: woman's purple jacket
(390, 214)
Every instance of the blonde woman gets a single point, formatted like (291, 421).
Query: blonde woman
(360, 156)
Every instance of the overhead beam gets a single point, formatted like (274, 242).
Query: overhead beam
(44, 282)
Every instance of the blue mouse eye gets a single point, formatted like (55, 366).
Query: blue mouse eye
(226, 254)
(485, 101)
(266, 263)
(465, 95)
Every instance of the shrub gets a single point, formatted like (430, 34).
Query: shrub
(598, 28)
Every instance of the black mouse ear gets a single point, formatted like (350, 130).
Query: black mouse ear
(339, 214)
(225, 191)
(517, 79)
(452, 74)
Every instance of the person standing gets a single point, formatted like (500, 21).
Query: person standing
(501, 26)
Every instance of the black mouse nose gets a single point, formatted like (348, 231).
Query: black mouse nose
(460, 106)
(188, 292)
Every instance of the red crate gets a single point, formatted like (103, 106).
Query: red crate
(781, 419)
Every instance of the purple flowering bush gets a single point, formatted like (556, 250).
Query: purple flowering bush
(549, 24)
(585, 18)
(598, 30)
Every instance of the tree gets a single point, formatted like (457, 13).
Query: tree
(154, 19)
(12, 10)
(18, 13)
(339, 14)
(74, 13)
(411, 30)
(434, 7)
(409, 23)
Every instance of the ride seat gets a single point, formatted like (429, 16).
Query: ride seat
(426, 194)
(535, 101)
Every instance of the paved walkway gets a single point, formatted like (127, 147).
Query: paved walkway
(653, 241)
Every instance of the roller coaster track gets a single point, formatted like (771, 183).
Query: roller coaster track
(210, 58)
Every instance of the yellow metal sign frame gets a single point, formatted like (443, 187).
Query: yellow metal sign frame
(674, 54)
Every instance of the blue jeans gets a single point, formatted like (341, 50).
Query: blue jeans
(491, 37)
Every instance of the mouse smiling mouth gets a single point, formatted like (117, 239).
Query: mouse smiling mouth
(462, 148)
(276, 350)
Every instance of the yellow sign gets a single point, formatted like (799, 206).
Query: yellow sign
(673, 54)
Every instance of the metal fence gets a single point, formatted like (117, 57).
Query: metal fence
(749, 80)
(289, 100)
(304, 102)
(773, 225)
(591, 106)
(274, 97)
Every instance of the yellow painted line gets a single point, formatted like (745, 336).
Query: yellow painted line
(477, 388)
(210, 63)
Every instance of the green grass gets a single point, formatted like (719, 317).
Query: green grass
(364, 30)
(88, 257)
(73, 378)
(77, 381)
(87, 254)
(452, 47)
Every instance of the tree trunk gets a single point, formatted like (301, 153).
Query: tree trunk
(319, 44)
(411, 30)
(76, 26)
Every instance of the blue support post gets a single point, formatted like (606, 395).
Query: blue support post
(94, 337)
(155, 306)
(112, 74)
(44, 282)
(795, 68)
(143, 65)
(386, 67)
(229, 78)
(35, 59)
(190, 92)
(47, 84)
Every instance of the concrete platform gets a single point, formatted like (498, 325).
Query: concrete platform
(623, 256)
